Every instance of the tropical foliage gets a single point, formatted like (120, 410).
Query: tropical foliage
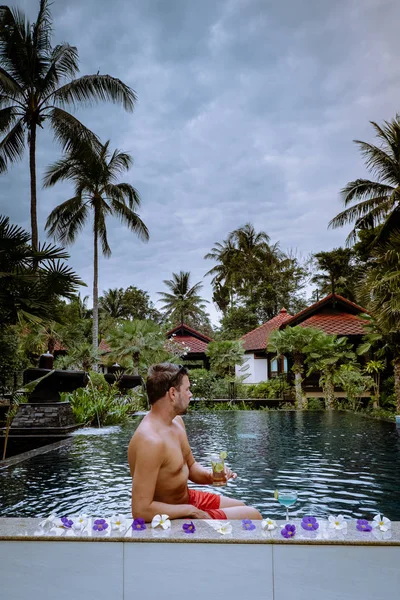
(372, 202)
(182, 303)
(37, 83)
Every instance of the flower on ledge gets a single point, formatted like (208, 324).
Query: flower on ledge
(310, 523)
(288, 531)
(138, 524)
(162, 520)
(268, 524)
(337, 522)
(225, 528)
(118, 522)
(100, 525)
(80, 523)
(382, 522)
(189, 527)
(248, 524)
(363, 525)
(67, 523)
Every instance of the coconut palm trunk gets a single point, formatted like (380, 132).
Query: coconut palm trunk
(32, 167)
(298, 379)
(95, 284)
(397, 384)
(329, 391)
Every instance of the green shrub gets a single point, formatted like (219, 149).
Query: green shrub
(315, 404)
(273, 388)
(203, 383)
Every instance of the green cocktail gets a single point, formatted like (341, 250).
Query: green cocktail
(218, 468)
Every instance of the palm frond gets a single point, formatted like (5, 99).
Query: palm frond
(7, 118)
(119, 162)
(12, 146)
(100, 224)
(42, 29)
(66, 220)
(92, 88)
(63, 64)
(379, 162)
(131, 219)
(73, 136)
(8, 85)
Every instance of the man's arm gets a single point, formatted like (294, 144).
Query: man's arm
(148, 460)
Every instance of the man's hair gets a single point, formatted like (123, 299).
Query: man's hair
(161, 378)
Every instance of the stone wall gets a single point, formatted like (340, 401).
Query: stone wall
(57, 414)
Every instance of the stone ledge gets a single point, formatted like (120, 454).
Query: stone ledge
(29, 529)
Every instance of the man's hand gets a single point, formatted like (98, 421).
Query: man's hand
(229, 474)
(196, 513)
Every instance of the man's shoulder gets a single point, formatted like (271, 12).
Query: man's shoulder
(148, 434)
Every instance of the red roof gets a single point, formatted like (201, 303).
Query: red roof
(194, 344)
(190, 331)
(336, 302)
(257, 339)
(339, 323)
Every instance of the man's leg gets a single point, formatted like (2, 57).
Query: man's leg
(242, 512)
(236, 509)
(226, 502)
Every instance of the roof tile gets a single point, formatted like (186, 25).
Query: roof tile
(257, 339)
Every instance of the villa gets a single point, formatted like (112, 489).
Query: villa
(333, 314)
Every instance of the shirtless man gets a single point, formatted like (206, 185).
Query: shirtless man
(161, 461)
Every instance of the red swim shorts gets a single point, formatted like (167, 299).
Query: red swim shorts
(207, 502)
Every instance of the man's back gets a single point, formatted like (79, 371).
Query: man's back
(167, 445)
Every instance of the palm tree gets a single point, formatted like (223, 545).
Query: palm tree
(135, 341)
(31, 281)
(376, 201)
(325, 354)
(94, 176)
(183, 301)
(339, 274)
(292, 341)
(37, 82)
(112, 303)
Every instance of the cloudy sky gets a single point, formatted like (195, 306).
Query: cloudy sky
(246, 113)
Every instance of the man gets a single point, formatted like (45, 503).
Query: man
(161, 461)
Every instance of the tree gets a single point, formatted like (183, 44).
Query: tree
(237, 321)
(293, 341)
(338, 272)
(133, 342)
(32, 281)
(111, 302)
(380, 294)
(137, 305)
(183, 303)
(37, 82)
(94, 176)
(325, 354)
(376, 202)
(225, 355)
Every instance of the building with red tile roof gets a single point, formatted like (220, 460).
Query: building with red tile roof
(194, 344)
(334, 314)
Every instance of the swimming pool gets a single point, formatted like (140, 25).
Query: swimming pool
(338, 462)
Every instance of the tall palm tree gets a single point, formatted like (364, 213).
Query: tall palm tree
(183, 301)
(112, 303)
(95, 177)
(37, 82)
(376, 202)
(338, 272)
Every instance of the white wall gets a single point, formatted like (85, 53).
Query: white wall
(100, 570)
(257, 371)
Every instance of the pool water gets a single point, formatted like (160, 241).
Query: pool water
(337, 462)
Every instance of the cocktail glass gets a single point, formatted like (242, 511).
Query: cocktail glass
(218, 467)
(286, 498)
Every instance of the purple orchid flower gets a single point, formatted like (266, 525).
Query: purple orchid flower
(363, 525)
(248, 524)
(310, 523)
(189, 527)
(100, 525)
(138, 524)
(288, 531)
(67, 523)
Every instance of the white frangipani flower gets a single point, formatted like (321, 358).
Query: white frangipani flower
(80, 522)
(225, 528)
(268, 524)
(162, 520)
(48, 522)
(337, 522)
(118, 522)
(382, 522)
